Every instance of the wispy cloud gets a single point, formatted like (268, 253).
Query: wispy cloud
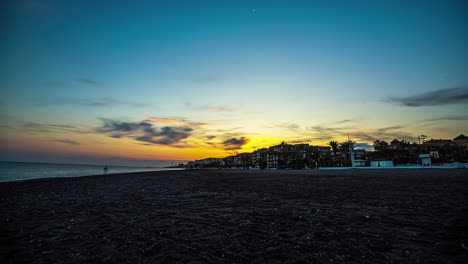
(386, 129)
(457, 95)
(46, 128)
(450, 117)
(217, 108)
(144, 131)
(344, 121)
(176, 122)
(327, 132)
(229, 130)
(373, 135)
(290, 126)
(92, 102)
(66, 141)
(88, 81)
(324, 132)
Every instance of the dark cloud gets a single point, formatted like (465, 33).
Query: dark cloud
(166, 135)
(458, 95)
(88, 81)
(235, 143)
(66, 141)
(451, 117)
(144, 132)
(94, 102)
(115, 126)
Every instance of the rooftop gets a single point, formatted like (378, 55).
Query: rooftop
(461, 137)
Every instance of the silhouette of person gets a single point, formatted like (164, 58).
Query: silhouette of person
(105, 169)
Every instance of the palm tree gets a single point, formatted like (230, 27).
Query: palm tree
(346, 147)
(334, 146)
(380, 145)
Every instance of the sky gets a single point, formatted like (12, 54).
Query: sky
(152, 82)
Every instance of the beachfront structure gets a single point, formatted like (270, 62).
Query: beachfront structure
(299, 156)
(395, 144)
(232, 161)
(323, 149)
(282, 155)
(434, 154)
(425, 159)
(259, 158)
(213, 162)
(381, 163)
(359, 153)
(275, 154)
(359, 163)
(439, 143)
(245, 159)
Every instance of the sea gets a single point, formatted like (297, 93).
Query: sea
(17, 171)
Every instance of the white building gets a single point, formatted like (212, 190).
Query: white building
(425, 159)
(381, 163)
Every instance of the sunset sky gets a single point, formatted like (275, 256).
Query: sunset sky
(129, 82)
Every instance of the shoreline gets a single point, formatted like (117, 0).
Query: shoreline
(89, 175)
(312, 171)
(236, 216)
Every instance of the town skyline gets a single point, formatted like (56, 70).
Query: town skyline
(338, 154)
(160, 81)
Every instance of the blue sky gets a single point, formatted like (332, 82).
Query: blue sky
(265, 66)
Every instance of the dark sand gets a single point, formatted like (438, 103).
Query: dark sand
(360, 216)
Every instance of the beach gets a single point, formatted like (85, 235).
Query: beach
(235, 216)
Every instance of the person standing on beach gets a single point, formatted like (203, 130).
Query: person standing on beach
(105, 169)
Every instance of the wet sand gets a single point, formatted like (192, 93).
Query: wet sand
(214, 216)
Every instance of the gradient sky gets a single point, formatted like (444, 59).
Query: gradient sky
(136, 81)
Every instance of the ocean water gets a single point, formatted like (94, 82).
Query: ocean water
(16, 171)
